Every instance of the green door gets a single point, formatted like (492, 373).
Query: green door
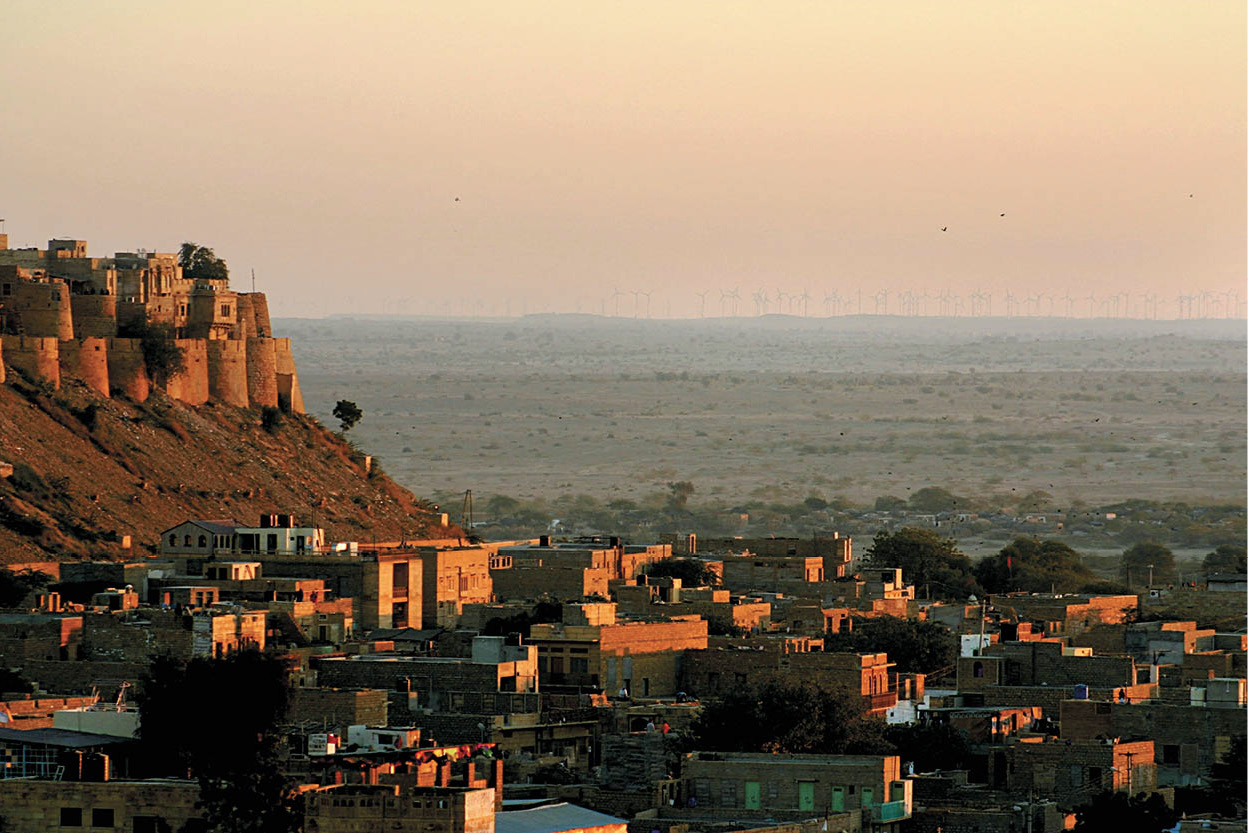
(838, 798)
(751, 796)
(868, 797)
(806, 796)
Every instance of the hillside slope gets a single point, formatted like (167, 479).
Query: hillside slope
(90, 471)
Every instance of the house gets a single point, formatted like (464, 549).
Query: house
(591, 649)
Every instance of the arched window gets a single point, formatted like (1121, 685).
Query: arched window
(186, 542)
(203, 541)
(978, 669)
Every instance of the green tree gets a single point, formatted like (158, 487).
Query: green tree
(930, 746)
(692, 573)
(1228, 558)
(201, 262)
(889, 503)
(233, 753)
(678, 494)
(348, 414)
(501, 505)
(161, 354)
(935, 500)
(1118, 812)
(779, 718)
(1033, 565)
(924, 557)
(914, 645)
(1134, 568)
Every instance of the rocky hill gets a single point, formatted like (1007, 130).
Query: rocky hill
(89, 471)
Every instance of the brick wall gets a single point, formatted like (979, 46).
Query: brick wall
(33, 805)
(339, 707)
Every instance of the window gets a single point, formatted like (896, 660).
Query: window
(101, 817)
(578, 665)
(143, 825)
(1076, 775)
(1170, 754)
(186, 541)
(173, 540)
(203, 541)
(978, 669)
(71, 818)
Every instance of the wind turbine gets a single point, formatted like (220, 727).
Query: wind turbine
(735, 295)
(760, 302)
(804, 298)
(702, 302)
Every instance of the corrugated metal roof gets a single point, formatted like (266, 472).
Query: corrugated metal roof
(561, 816)
(58, 738)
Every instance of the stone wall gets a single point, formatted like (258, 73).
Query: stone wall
(37, 357)
(227, 372)
(288, 390)
(191, 386)
(261, 373)
(158, 805)
(86, 359)
(94, 315)
(127, 373)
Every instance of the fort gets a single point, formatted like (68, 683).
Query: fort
(66, 315)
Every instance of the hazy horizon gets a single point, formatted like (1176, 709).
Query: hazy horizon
(495, 160)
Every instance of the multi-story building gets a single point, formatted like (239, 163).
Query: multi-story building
(733, 664)
(744, 787)
(592, 649)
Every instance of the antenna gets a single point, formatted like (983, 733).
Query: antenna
(253, 279)
(465, 514)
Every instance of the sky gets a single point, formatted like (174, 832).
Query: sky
(504, 158)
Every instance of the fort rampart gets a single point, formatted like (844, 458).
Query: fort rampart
(65, 316)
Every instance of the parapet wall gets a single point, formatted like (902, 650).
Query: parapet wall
(86, 359)
(127, 373)
(191, 386)
(36, 356)
(288, 392)
(94, 315)
(227, 371)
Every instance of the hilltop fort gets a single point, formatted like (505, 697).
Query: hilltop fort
(65, 314)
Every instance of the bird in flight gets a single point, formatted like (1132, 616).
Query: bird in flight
(1003, 214)
(457, 199)
(944, 228)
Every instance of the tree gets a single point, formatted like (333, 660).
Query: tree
(679, 492)
(889, 503)
(201, 262)
(935, 500)
(1110, 811)
(924, 557)
(348, 414)
(161, 354)
(930, 746)
(1033, 565)
(1136, 560)
(15, 585)
(778, 718)
(233, 753)
(1228, 558)
(692, 573)
(914, 645)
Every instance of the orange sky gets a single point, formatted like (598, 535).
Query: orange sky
(669, 147)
